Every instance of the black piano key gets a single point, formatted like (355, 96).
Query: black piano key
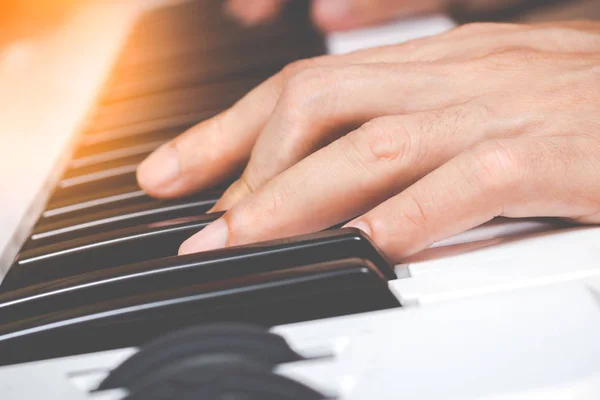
(213, 97)
(102, 159)
(233, 64)
(107, 167)
(224, 264)
(104, 250)
(73, 179)
(59, 208)
(281, 296)
(101, 146)
(120, 218)
(171, 125)
(74, 189)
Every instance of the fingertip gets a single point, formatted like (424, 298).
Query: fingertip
(157, 173)
(214, 236)
(330, 15)
(360, 225)
(253, 14)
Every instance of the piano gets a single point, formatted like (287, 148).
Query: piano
(95, 304)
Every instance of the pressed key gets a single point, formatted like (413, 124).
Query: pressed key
(120, 218)
(104, 250)
(218, 292)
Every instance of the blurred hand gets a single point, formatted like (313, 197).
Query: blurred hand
(335, 15)
(446, 133)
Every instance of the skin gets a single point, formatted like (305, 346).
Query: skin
(417, 142)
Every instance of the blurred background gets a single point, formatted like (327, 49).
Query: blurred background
(28, 17)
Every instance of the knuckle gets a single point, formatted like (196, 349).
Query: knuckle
(295, 67)
(495, 167)
(304, 87)
(276, 202)
(383, 140)
(413, 212)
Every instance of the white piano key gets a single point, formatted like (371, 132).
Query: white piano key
(391, 33)
(565, 255)
(486, 347)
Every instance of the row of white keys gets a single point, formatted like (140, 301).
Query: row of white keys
(537, 340)
(553, 256)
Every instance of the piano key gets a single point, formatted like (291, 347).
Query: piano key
(120, 218)
(104, 250)
(76, 188)
(93, 136)
(114, 155)
(282, 295)
(207, 97)
(118, 161)
(100, 146)
(93, 202)
(233, 64)
(81, 179)
(221, 264)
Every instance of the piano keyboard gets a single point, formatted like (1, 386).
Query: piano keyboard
(100, 264)
(310, 317)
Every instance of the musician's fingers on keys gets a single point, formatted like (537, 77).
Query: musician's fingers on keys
(220, 147)
(513, 132)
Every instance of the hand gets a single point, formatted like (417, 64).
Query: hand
(336, 15)
(446, 133)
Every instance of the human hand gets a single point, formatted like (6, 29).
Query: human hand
(336, 15)
(446, 133)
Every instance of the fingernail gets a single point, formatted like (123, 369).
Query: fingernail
(214, 236)
(160, 169)
(359, 225)
(332, 9)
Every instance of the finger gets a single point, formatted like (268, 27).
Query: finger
(347, 178)
(216, 148)
(313, 112)
(519, 177)
(335, 15)
(253, 12)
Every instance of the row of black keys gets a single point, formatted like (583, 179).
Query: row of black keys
(98, 197)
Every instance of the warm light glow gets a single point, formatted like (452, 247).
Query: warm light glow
(26, 17)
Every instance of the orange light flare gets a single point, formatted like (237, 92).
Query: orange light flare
(28, 17)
